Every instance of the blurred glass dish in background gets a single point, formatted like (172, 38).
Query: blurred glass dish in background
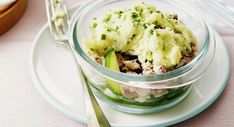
(219, 13)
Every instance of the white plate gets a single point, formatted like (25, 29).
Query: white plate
(53, 71)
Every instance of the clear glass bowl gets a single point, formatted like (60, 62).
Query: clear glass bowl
(141, 94)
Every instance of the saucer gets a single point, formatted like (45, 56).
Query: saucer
(54, 74)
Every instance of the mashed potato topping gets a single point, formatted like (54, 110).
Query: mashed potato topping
(156, 38)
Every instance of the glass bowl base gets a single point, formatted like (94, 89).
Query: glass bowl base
(139, 109)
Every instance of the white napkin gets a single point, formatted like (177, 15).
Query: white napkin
(4, 4)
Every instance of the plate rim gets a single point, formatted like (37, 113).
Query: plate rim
(37, 83)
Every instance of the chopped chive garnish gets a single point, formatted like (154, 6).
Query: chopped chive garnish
(117, 28)
(119, 13)
(94, 25)
(134, 15)
(162, 15)
(151, 31)
(103, 37)
(57, 1)
(107, 18)
(164, 47)
(109, 29)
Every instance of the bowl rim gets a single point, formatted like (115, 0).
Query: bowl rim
(9, 9)
(118, 76)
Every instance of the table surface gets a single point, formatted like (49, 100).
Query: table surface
(22, 106)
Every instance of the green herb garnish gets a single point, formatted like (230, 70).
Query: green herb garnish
(103, 37)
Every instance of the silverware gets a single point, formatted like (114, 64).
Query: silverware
(58, 20)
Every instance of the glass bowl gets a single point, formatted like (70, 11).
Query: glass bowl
(136, 93)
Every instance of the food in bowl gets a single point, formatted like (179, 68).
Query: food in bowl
(143, 39)
(139, 59)
(140, 40)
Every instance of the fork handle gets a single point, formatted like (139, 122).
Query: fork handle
(95, 115)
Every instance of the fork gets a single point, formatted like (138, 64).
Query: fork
(58, 20)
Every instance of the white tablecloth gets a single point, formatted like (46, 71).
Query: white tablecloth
(22, 106)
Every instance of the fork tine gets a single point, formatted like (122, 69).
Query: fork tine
(58, 17)
(53, 11)
(67, 16)
(48, 11)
